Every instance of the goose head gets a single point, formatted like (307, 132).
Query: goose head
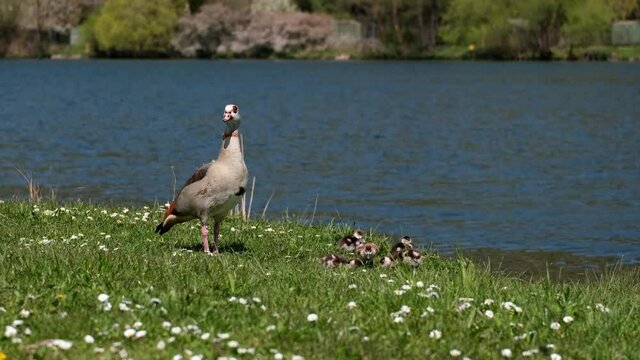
(407, 240)
(231, 118)
(367, 251)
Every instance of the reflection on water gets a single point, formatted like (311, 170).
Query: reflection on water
(508, 156)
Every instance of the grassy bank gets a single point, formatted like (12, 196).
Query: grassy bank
(258, 299)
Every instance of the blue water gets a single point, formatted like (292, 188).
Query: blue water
(536, 156)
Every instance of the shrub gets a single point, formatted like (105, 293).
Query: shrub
(218, 30)
(136, 27)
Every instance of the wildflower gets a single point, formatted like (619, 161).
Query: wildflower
(435, 334)
(233, 344)
(233, 299)
(24, 313)
(429, 309)
(455, 352)
(27, 331)
(382, 276)
(406, 287)
(10, 331)
(205, 336)
(567, 319)
(419, 284)
(297, 357)
(602, 308)
(124, 307)
(223, 336)
(398, 292)
(197, 357)
(312, 317)
(256, 300)
(17, 322)
(278, 356)
(555, 326)
(464, 306)
(61, 344)
(405, 309)
(506, 353)
(353, 286)
(137, 324)
(351, 304)
(98, 350)
(103, 297)
(106, 306)
(511, 306)
(489, 314)
(555, 356)
(176, 330)
(140, 334)
(166, 324)
(432, 295)
(398, 319)
(161, 345)
(129, 333)
(89, 339)
(177, 357)
(531, 352)
(155, 301)
(271, 328)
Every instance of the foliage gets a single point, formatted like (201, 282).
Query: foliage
(218, 30)
(202, 34)
(258, 295)
(9, 12)
(588, 23)
(137, 27)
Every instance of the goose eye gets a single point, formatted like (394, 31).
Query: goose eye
(235, 109)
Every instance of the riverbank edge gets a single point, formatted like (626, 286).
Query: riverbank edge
(442, 53)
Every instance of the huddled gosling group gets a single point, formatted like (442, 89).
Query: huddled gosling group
(365, 253)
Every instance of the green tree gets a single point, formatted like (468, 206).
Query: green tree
(9, 11)
(483, 23)
(137, 27)
(588, 22)
(625, 9)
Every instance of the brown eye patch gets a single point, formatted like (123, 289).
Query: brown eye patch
(235, 109)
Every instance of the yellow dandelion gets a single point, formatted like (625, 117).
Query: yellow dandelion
(3, 356)
(60, 296)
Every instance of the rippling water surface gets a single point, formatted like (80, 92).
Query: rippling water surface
(508, 156)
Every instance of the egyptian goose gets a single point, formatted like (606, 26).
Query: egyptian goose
(413, 257)
(397, 250)
(214, 188)
(354, 263)
(387, 261)
(367, 251)
(350, 242)
(333, 260)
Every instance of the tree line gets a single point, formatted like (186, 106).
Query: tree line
(258, 28)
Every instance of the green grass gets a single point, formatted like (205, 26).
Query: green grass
(56, 259)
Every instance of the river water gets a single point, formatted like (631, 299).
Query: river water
(512, 159)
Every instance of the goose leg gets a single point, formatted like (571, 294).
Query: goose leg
(216, 234)
(205, 238)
